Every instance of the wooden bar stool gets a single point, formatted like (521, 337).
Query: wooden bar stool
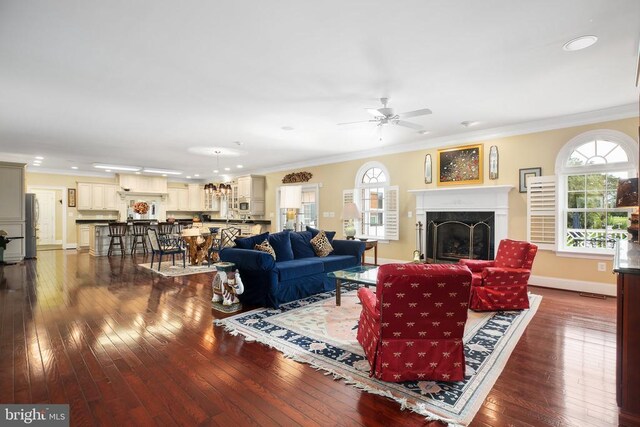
(117, 230)
(139, 234)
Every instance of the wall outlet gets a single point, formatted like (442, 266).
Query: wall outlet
(602, 266)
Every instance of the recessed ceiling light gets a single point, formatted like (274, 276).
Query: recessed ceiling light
(239, 166)
(116, 167)
(39, 158)
(162, 171)
(579, 43)
(227, 169)
(286, 128)
(469, 123)
(423, 132)
(74, 167)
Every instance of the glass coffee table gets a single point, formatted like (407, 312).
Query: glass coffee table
(363, 274)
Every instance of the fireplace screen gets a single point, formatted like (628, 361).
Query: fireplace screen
(452, 236)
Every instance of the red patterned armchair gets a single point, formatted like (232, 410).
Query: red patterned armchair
(502, 284)
(412, 327)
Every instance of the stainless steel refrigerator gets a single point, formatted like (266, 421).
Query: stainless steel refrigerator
(31, 217)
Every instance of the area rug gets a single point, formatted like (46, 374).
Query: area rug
(169, 270)
(314, 331)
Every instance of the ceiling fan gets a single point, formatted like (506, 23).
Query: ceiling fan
(385, 115)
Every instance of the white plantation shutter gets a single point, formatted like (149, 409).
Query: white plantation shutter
(348, 196)
(541, 211)
(391, 213)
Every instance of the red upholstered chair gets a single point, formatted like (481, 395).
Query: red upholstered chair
(412, 327)
(502, 284)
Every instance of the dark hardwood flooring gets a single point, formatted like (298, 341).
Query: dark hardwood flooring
(124, 346)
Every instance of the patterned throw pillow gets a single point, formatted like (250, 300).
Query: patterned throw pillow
(321, 245)
(265, 247)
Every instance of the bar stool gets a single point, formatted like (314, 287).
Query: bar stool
(165, 228)
(117, 230)
(139, 233)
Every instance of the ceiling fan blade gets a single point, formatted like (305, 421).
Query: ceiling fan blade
(374, 112)
(406, 124)
(415, 113)
(353, 123)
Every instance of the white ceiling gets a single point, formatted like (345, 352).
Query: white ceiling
(156, 83)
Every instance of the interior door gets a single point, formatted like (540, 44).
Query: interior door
(46, 221)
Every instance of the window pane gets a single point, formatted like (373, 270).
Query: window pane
(617, 155)
(575, 219)
(596, 181)
(576, 200)
(576, 182)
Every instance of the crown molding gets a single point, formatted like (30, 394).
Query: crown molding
(579, 119)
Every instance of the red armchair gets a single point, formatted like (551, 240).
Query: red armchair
(501, 284)
(412, 327)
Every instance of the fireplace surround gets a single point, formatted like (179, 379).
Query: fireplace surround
(485, 199)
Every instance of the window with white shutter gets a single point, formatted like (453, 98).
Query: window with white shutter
(378, 203)
(541, 211)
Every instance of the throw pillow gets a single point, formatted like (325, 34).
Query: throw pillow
(250, 242)
(265, 247)
(281, 243)
(314, 232)
(321, 244)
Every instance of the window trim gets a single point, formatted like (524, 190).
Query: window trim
(628, 144)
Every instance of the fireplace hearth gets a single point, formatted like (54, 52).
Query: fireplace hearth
(451, 236)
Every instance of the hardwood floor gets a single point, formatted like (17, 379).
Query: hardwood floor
(124, 346)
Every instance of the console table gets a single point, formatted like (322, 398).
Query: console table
(627, 267)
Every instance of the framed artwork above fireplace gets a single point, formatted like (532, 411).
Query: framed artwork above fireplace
(460, 165)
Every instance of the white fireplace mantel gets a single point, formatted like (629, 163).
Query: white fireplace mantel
(489, 198)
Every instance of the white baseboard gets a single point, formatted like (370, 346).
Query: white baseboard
(574, 285)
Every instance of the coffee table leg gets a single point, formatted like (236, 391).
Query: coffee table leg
(338, 284)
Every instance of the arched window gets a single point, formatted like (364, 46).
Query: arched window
(588, 169)
(377, 201)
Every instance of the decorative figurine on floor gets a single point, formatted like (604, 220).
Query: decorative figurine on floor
(227, 285)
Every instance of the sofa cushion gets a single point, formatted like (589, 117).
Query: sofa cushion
(338, 262)
(314, 232)
(301, 245)
(288, 270)
(265, 247)
(250, 242)
(281, 243)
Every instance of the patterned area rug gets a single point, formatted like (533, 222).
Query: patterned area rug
(314, 331)
(176, 270)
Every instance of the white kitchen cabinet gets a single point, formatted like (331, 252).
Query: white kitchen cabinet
(84, 196)
(97, 196)
(196, 197)
(83, 236)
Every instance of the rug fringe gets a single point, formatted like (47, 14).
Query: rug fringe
(404, 404)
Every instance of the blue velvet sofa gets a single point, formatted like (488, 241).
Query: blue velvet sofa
(295, 273)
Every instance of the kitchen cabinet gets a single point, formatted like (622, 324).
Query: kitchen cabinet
(12, 209)
(196, 197)
(97, 196)
(627, 267)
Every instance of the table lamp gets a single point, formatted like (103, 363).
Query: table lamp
(627, 197)
(291, 201)
(350, 212)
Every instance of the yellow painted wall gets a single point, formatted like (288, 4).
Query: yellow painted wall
(406, 170)
(68, 181)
